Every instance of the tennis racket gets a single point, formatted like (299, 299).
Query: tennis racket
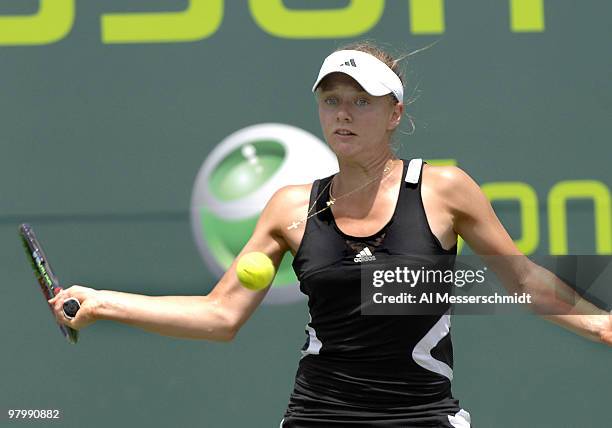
(47, 279)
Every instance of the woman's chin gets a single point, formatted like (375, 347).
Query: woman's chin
(345, 149)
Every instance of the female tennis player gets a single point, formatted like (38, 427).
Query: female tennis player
(381, 371)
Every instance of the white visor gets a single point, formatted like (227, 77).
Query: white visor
(374, 76)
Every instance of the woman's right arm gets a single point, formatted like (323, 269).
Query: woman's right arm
(217, 316)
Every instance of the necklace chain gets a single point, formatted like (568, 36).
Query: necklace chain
(383, 174)
(332, 199)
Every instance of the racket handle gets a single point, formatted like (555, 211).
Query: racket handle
(71, 307)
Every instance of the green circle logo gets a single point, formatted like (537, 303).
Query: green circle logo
(236, 181)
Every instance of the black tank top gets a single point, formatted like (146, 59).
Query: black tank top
(369, 361)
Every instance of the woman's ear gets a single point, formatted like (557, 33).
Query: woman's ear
(396, 116)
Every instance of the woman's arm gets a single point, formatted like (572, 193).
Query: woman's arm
(216, 316)
(475, 221)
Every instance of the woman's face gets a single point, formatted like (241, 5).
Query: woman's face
(355, 123)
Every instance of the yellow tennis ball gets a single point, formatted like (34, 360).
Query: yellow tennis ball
(255, 270)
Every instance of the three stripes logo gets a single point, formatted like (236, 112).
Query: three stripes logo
(350, 63)
(364, 255)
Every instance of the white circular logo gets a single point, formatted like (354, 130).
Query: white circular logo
(236, 181)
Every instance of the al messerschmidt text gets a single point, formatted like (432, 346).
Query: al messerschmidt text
(409, 298)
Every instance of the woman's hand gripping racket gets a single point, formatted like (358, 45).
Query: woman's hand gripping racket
(47, 279)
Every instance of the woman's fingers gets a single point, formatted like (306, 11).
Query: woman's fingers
(61, 296)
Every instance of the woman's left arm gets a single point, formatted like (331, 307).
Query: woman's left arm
(475, 221)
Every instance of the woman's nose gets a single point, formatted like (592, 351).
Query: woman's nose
(343, 115)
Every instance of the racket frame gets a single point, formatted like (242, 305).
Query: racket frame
(44, 273)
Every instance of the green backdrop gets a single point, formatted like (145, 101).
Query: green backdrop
(107, 120)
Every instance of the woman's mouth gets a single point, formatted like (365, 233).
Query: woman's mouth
(344, 132)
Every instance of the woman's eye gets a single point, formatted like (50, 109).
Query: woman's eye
(331, 101)
(361, 102)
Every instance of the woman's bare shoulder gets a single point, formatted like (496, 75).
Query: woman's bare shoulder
(292, 195)
(447, 179)
(287, 204)
(445, 175)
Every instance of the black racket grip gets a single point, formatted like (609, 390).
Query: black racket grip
(71, 307)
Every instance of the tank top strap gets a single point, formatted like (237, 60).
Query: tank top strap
(413, 174)
(316, 203)
(412, 220)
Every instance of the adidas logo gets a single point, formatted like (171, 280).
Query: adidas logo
(364, 255)
(350, 63)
